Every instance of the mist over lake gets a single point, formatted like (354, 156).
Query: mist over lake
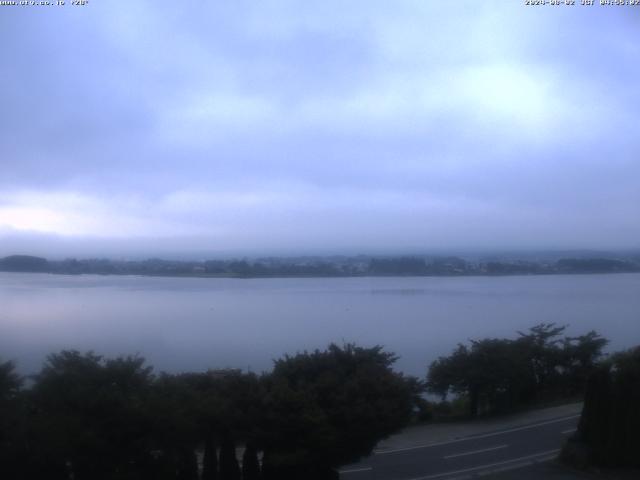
(183, 324)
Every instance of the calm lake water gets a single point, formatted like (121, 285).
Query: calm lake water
(196, 323)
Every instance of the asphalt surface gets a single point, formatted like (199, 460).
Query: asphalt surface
(469, 457)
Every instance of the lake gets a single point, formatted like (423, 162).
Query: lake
(198, 323)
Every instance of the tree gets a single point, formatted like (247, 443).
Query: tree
(175, 432)
(541, 346)
(328, 408)
(610, 420)
(250, 464)
(11, 421)
(90, 414)
(490, 374)
(446, 373)
(210, 459)
(187, 464)
(500, 374)
(581, 356)
(24, 263)
(398, 266)
(229, 468)
(10, 381)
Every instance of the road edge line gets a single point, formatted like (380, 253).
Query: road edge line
(475, 437)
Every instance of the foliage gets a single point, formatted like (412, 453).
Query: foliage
(610, 419)
(93, 418)
(10, 381)
(329, 408)
(11, 426)
(209, 459)
(398, 266)
(23, 263)
(250, 463)
(595, 265)
(90, 412)
(319, 266)
(229, 468)
(501, 374)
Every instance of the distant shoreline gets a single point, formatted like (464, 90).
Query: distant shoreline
(322, 267)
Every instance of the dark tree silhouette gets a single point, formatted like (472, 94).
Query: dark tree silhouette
(88, 417)
(500, 374)
(398, 266)
(10, 382)
(580, 357)
(250, 464)
(210, 459)
(90, 414)
(329, 408)
(229, 468)
(24, 263)
(490, 373)
(187, 465)
(12, 434)
(608, 431)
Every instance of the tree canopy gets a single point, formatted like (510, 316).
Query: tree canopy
(331, 407)
(501, 374)
(98, 418)
(608, 429)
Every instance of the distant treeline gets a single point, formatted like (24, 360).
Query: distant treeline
(319, 267)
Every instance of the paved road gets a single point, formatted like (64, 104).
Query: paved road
(467, 457)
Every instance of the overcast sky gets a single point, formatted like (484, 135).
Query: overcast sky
(288, 126)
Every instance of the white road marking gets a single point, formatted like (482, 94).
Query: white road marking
(490, 449)
(356, 470)
(489, 465)
(475, 437)
(567, 432)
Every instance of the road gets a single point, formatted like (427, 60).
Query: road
(468, 457)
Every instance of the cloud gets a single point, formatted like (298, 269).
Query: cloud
(281, 124)
(70, 214)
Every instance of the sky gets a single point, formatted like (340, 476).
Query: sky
(150, 127)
